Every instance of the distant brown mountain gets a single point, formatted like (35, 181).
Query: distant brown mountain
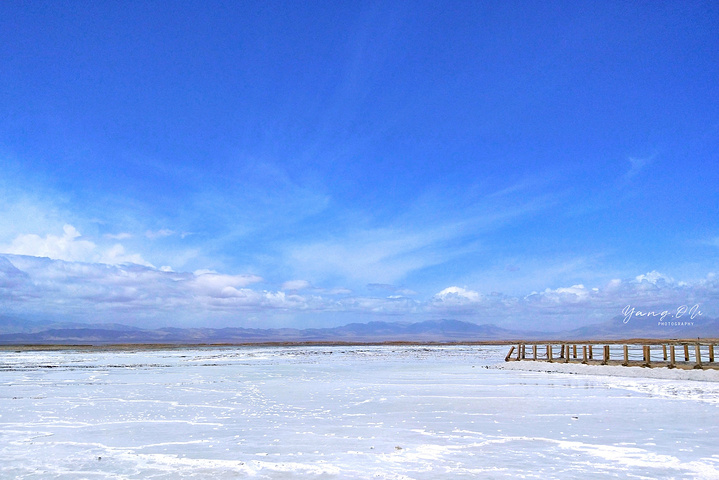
(17, 332)
(441, 330)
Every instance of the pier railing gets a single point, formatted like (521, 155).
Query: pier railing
(685, 355)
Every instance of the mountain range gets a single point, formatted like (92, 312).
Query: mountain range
(15, 331)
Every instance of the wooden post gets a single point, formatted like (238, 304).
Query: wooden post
(584, 354)
(606, 355)
(711, 353)
(686, 352)
(626, 356)
(519, 351)
(591, 356)
(664, 352)
(647, 356)
(561, 352)
(549, 353)
(534, 351)
(574, 351)
(672, 359)
(509, 355)
(698, 355)
(566, 353)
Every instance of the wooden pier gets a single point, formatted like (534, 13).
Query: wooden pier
(685, 355)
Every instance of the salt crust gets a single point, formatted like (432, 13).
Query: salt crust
(612, 370)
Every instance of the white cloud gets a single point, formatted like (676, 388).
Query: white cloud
(395, 290)
(123, 292)
(296, 285)
(116, 255)
(61, 287)
(338, 291)
(577, 305)
(66, 247)
(455, 300)
(397, 306)
(202, 271)
(655, 278)
(458, 295)
(573, 294)
(219, 285)
(70, 247)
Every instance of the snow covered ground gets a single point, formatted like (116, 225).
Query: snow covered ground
(343, 412)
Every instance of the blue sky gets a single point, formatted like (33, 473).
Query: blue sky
(263, 164)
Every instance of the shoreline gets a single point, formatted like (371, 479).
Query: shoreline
(709, 375)
(190, 346)
(4, 347)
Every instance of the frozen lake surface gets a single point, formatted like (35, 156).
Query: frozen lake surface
(342, 412)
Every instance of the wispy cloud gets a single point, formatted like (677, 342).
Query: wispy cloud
(430, 233)
(714, 242)
(27, 209)
(394, 290)
(637, 164)
(118, 236)
(163, 232)
(374, 256)
(619, 190)
(296, 285)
